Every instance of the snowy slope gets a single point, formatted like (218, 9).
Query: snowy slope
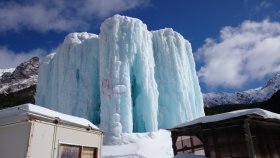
(246, 97)
(127, 79)
(2, 71)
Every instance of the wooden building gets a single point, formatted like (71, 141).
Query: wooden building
(253, 133)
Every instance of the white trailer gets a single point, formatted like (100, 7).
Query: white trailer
(31, 131)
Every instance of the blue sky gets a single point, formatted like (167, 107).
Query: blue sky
(235, 43)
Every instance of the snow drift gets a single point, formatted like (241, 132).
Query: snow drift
(127, 79)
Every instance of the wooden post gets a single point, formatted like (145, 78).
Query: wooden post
(248, 137)
(174, 137)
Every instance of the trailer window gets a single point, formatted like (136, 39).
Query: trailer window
(69, 151)
(88, 152)
(76, 151)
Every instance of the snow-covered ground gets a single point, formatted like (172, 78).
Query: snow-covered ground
(139, 145)
(142, 145)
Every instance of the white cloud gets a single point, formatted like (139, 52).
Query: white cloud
(11, 59)
(243, 54)
(62, 15)
(262, 6)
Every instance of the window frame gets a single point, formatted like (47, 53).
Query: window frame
(95, 149)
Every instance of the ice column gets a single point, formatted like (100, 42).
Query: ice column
(69, 80)
(179, 93)
(128, 86)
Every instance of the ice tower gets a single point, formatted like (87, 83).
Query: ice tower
(180, 97)
(128, 85)
(127, 79)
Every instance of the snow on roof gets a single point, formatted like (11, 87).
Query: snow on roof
(35, 110)
(232, 114)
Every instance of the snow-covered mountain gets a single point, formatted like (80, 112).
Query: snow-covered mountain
(246, 97)
(23, 76)
(18, 86)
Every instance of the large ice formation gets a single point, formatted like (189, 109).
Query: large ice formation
(127, 79)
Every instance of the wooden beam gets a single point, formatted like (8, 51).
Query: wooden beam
(248, 137)
(174, 137)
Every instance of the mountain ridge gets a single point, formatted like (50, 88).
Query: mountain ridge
(251, 96)
(19, 86)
